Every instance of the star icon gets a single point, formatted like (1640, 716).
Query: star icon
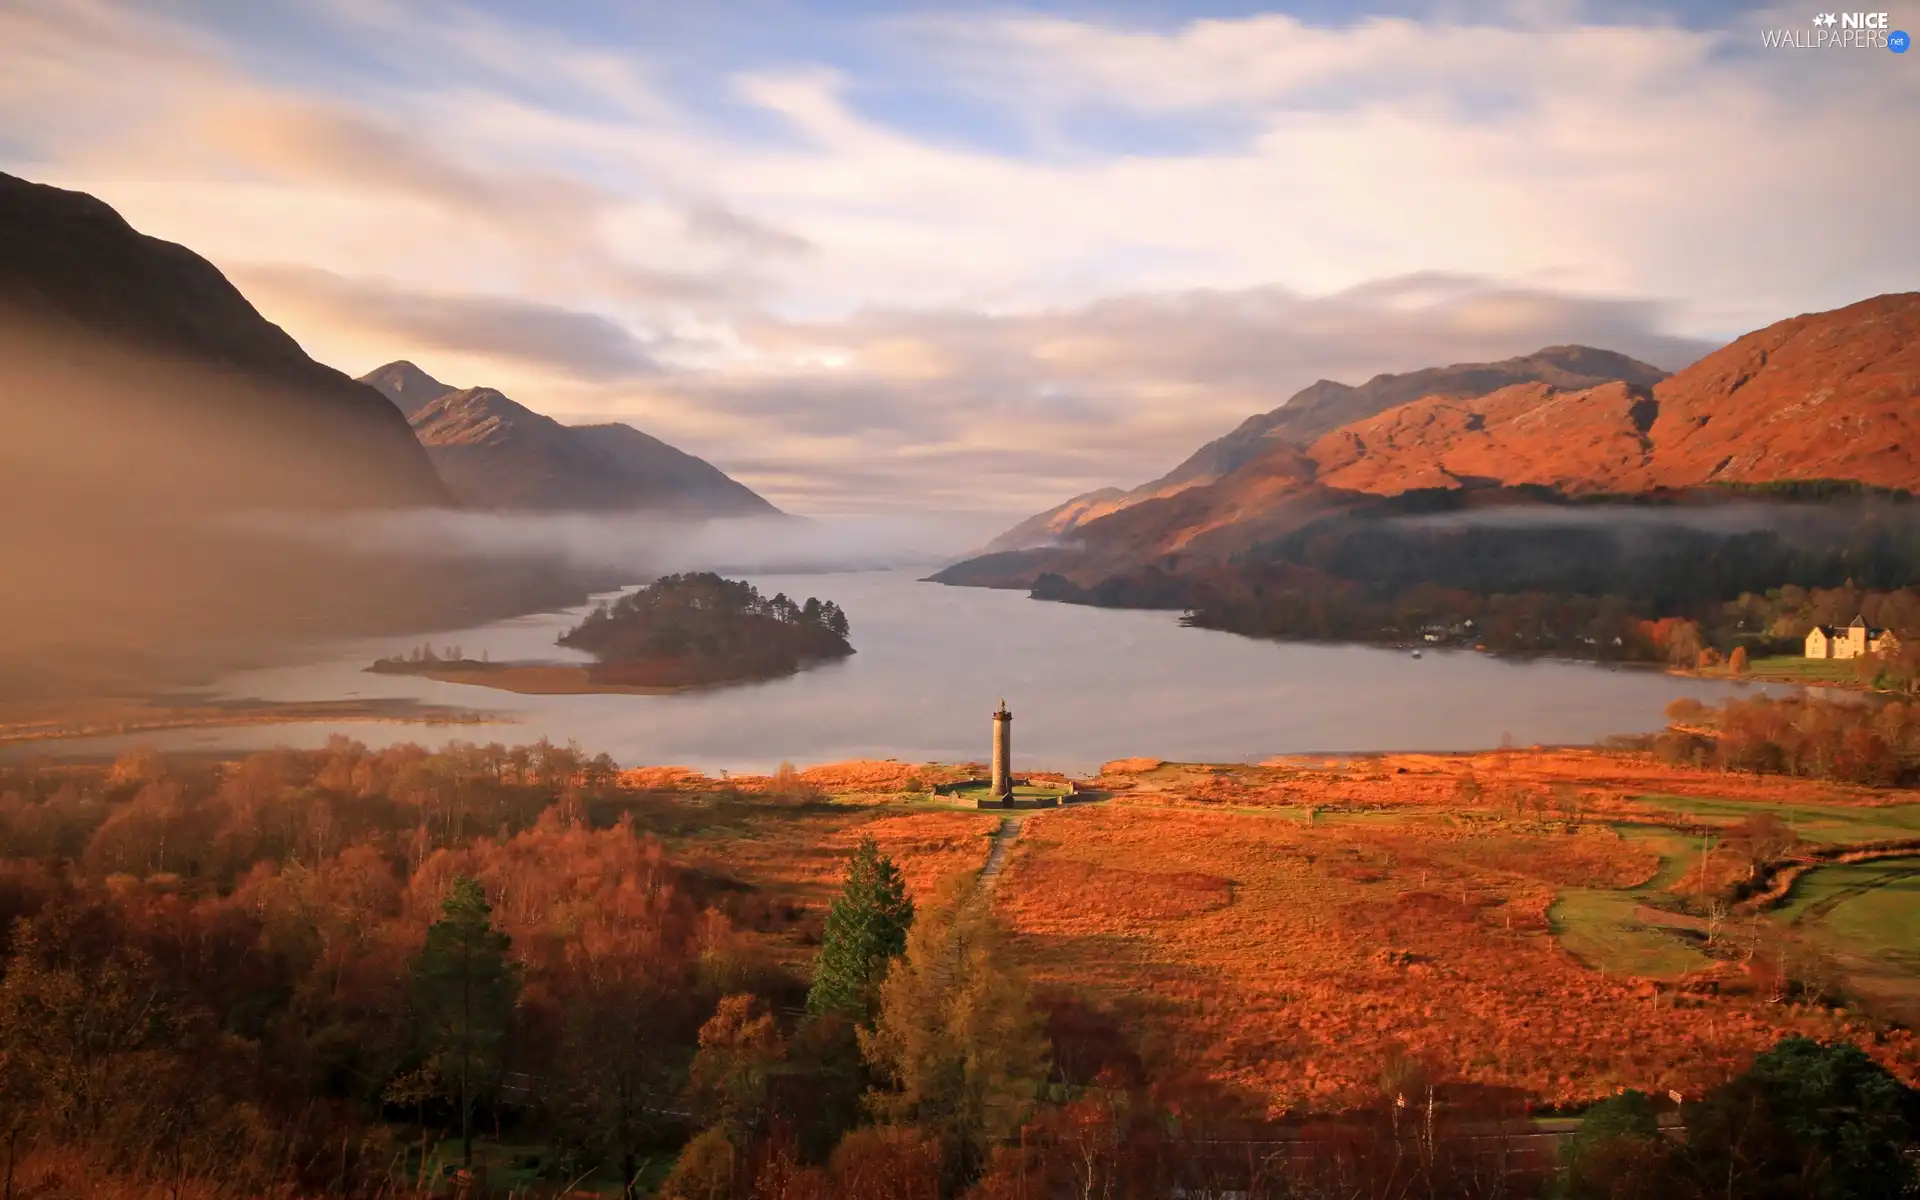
(1824, 19)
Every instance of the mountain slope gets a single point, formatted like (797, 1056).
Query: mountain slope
(1324, 406)
(407, 386)
(138, 360)
(497, 453)
(172, 466)
(677, 477)
(1823, 396)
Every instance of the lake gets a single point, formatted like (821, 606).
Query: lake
(1085, 685)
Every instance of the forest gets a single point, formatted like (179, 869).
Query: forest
(701, 628)
(348, 972)
(1528, 571)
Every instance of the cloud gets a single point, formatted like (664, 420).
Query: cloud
(936, 408)
(979, 263)
(715, 221)
(583, 345)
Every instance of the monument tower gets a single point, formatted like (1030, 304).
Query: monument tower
(1002, 751)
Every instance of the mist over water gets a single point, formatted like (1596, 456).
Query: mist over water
(640, 544)
(1086, 685)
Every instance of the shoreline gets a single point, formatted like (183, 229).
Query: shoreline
(122, 718)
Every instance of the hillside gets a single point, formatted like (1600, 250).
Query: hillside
(496, 453)
(1325, 406)
(107, 331)
(1824, 396)
(149, 412)
(1820, 396)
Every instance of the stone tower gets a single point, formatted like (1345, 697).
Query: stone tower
(1003, 751)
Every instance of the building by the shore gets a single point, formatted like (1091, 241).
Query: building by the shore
(1850, 641)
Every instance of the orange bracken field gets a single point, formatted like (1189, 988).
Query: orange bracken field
(1310, 930)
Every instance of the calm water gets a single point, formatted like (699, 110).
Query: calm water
(1085, 685)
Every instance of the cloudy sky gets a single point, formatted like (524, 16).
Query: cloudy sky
(958, 259)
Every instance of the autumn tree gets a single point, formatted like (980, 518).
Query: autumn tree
(464, 991)
(619, 1044)
(739, 1048)
(1737, 661)
(957, 1039)
(866, 930)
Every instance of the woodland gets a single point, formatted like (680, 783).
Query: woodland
(405, 972)
(1527, 571)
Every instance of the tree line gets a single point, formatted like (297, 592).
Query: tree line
(1872, 743)
(1528, 571)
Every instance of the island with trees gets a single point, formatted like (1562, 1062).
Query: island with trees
(678, 632)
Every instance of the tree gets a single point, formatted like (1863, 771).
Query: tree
(739, 1047)
(1807, 1119)
(866, 930)
(464, 991)
(1737, 661)
(1618, 1153)
(957, 1035)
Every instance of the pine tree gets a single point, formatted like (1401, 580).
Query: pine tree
(464, 991)
(866, 930)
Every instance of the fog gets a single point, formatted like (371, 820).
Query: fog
(1727, 519)
(632, 545)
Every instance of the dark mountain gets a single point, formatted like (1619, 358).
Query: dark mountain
(1322, 407)
(159, 440)
(496, 453)
(118, 345)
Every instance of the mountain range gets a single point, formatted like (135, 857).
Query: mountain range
(1324, 406)
(1823, 396)
(495, 453)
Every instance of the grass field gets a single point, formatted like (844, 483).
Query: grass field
(1791, 668)
(1871, 908)
(1827, 823)
(1600, 926)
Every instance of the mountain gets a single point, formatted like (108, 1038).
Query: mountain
(1324, 406)
(134, 362)
(496, 453)
(182, 483)
(1824, 396)
(407, 386)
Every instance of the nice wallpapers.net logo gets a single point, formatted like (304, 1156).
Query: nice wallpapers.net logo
(1840, 31)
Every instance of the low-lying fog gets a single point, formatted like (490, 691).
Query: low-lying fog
(639, 545)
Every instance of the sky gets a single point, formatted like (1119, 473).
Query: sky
(970, 260)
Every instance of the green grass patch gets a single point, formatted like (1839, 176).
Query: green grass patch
(1791, 668)
(1598, 926)
(1829, 824)
(1869, 908)
(1673, 849)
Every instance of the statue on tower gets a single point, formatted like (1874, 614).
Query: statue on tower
(1003, 753)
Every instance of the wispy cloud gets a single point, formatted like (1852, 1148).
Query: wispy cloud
(582, 345)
